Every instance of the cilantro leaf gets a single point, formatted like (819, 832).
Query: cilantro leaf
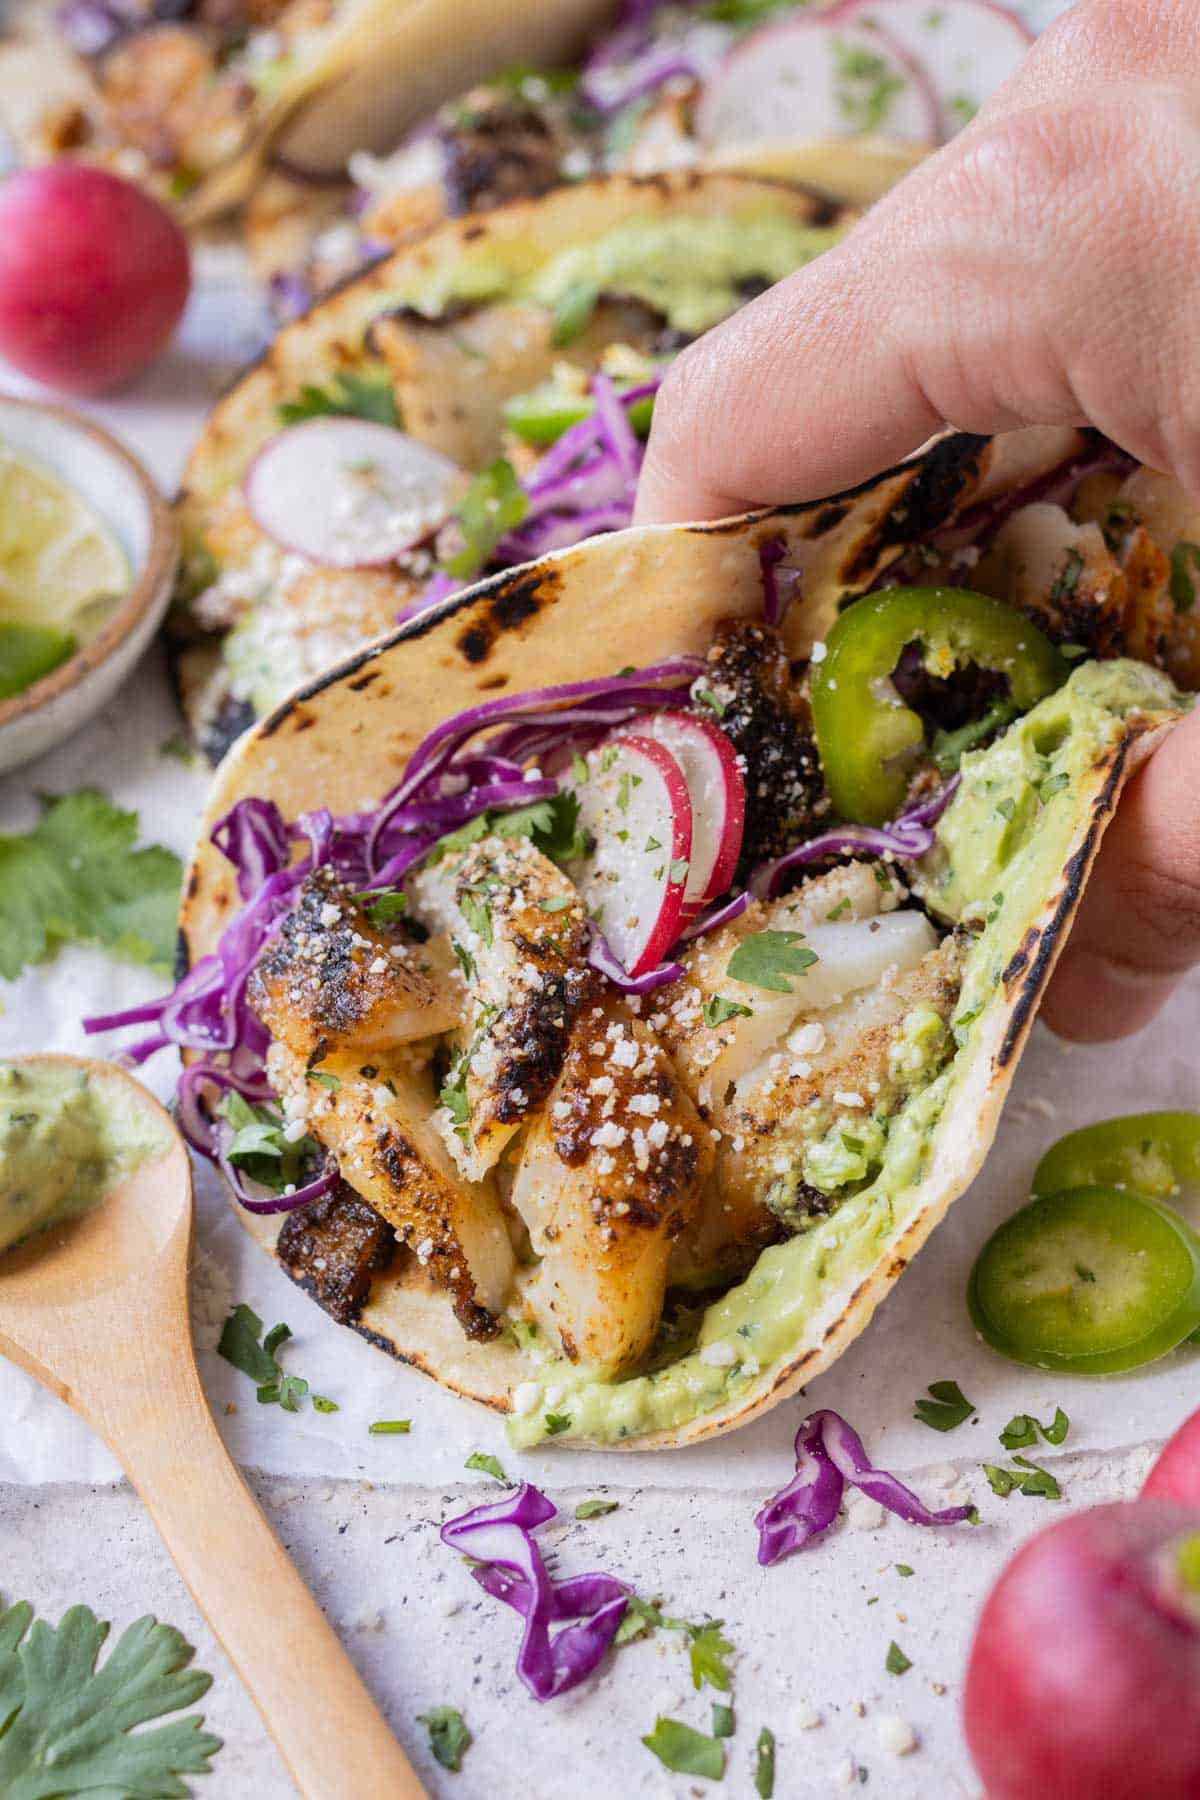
(708, 1653)
(322, 1404)
(718, 1009)
(1029, 1478)
(1001, 1481)
(895, 1662)
(595, 1509)
(767, 958)
(1185, 565)
(239, 1345)
(949, 1406)
(764, 1764)
(449, 1737)
(382, 905)
(494, 504)
(69, 1727)
(258, 1145)
(551, 825)
(556, 1423)
(487, 1465)
(1022, 1430)
(348, 395)
(685, 1751)
(76, 878)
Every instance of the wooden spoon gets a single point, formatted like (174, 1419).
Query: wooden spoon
(97, 1311)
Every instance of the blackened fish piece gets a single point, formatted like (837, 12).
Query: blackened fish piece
(332, 1247)
(750, 679)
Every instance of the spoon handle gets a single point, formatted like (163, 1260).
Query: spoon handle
(329, 1731)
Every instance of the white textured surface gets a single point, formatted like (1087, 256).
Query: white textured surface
(811, 1634)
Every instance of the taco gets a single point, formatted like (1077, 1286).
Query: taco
(842, 98)
(614, 975)
(188, 96)
(523, 349)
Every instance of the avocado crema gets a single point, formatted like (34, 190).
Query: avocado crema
(66, 1139)
(1001, 848)
(694, 271)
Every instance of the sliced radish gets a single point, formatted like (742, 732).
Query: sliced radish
(349, 493)
(814, 77)
(718, 796)
(967, 47)
(636, 809)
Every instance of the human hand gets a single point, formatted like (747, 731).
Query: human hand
(1040, 269)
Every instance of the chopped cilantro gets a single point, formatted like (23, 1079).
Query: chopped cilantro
(595, 1509)
(642, 1617)
(685, 1751)
(722, 1720)
(624, 789)
(718, 1009)
(453, 1096)
(766, 959)
(383, 904)
(332, 1082)
(322, 1404)
(1028, 1478)
(347, 396)
(866, 85)
(258, 1145)
(1001, 1481)
(903, 1569)
(764, 1764)
(1022, 1430)
(449, 1737)
(390, 1427)
(239, 1345)
(679, 869)
(494, 504)
(550, 825)
(72, 1729)
(554, 903)
(464, 959)
(709, 1653)
(1067, 579)
(477, 911)
(1185, 563)
(840, 911)
(895, 1662)
(579, 768)
(487, 1465)
(76, 878)
(948, 1407)
(707, 698)
(556, 1423)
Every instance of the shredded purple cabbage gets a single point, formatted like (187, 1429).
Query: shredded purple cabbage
(830, 1456)
(908, 837)
(509, 1566)
(600, 957)
(585, 484)
(449, 781)
(290, 294)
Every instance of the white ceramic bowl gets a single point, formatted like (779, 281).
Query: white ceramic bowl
(119, 489)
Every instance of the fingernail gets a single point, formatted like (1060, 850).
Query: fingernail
(1093, 998)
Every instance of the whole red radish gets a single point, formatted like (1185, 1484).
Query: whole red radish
(93, 277)
(1084, 1678)
(1176, 1474)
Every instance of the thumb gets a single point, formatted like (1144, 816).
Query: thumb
(1138, 928)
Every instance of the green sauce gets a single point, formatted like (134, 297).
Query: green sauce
(65, 1141)
(994, 862)
(690, 269)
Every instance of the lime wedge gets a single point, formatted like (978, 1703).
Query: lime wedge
(27, 652)
(60, 564)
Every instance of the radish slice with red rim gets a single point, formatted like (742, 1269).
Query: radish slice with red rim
(966, 47)
(348, 493)
(637, 813)
(718, 795)
(827, 76)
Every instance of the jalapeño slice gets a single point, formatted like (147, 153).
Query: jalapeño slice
(1089, 1281)
(868, 738)
(1155, 1153)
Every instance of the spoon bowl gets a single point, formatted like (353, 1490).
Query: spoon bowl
(96, 1309)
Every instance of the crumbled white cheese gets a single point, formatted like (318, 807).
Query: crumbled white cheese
(330, 914)
(719, 1356)
(896, 1736)
(379, 966)
(848, 1099)
(526, 1398)
(805, 1716)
